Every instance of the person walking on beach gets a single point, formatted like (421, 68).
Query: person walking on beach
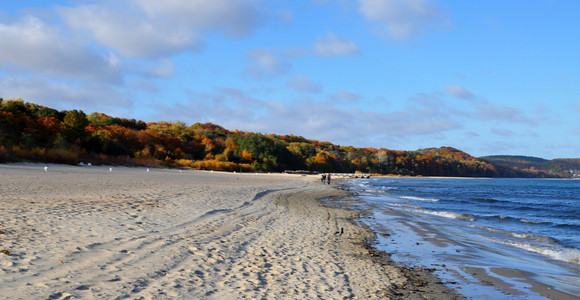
(323, 178)
(328, 178)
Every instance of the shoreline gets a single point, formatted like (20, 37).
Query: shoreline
(421, 282)
(420, 241)
(80, 232)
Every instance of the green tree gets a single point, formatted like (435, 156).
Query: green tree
(74, 124)
(15, 106)
(99, 119)
(9, 129)
(269, 154)
(45, 112)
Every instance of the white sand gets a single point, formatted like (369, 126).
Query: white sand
(87, 233)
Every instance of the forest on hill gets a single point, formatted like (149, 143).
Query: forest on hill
(560, 167)
(31, 132)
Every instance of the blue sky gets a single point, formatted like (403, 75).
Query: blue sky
(486, 77)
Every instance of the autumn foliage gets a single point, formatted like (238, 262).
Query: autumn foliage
(30, 132)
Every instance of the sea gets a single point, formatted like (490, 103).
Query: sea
(487, 238)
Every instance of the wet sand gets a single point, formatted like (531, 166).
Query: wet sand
(91, 233)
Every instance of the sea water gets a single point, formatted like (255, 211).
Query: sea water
(488, 238)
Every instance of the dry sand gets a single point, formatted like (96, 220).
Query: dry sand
(89, 233)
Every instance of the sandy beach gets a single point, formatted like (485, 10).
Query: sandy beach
(127, 233)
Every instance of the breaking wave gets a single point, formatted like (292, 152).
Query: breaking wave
(419, 198)
(569, 255)
(449, 215)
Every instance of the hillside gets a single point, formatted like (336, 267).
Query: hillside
(561, 167)
(31, 132)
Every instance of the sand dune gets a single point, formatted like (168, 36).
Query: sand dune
(91, 233)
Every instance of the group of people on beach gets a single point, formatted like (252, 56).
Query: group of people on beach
(325, 178)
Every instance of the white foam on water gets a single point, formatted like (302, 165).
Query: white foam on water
(569, 255)
(531, 221)
(419, 198)
(448, 214)
(404, 205)
(525, 236)
(518, 238)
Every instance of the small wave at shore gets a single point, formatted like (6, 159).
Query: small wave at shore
(527, 225)
(569, 255)
(532, 221)
(525, 236)
(387, 188)
(448, 214)
(512, 219)
(419, 198)
(404, 205)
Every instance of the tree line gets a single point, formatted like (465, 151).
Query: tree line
(528, 166)
(31, 132)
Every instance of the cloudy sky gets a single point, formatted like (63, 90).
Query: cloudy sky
(487, 77)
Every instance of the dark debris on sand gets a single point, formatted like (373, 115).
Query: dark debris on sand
(421, 282)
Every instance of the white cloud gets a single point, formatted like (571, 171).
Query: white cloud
(235, 109)
(505, 147)
(426, 118)
(130, 34)
(342, 95)
(401, 19)
(147, 28)
(265, 63)
(459, 92)
(501, 112)
(412, 122)
(32, 45)
(63, 95)
(486, 110)
(333, 45)
(297, 52)
(234, 17)
(502, 132)
(161, 68)
(328, 46)
(303, 83)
